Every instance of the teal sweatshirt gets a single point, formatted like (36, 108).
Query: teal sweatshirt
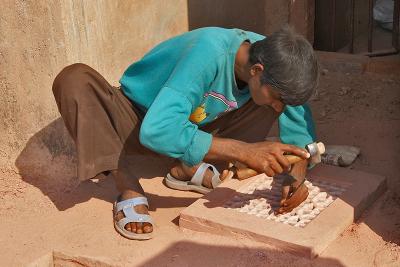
(188, 81)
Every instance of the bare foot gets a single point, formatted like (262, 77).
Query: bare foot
(185, 173)
(130, 188)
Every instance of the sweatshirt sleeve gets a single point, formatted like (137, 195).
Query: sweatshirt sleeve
(166, 129)
(296, 126)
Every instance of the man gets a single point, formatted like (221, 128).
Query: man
(211, 94)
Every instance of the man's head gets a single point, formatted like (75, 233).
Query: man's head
(284, 70)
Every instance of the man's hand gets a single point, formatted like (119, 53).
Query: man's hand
(294, 192)
(264, 157)
(293, 199)
(268, 157)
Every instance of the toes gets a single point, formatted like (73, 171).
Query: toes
(224, 174)
(147, 228)
(133, 227)
(139, 228)
(136, 227)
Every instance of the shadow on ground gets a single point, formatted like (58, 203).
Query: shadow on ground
(192, 254)
(48, 162)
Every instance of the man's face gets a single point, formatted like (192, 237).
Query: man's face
(264, 94)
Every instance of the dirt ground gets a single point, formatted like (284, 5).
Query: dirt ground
(353, 108)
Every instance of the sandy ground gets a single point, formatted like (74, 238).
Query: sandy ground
(39, 216)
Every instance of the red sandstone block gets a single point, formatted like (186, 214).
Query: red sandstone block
(209, 215)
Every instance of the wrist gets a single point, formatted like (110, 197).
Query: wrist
(241, 152)
(228, 150)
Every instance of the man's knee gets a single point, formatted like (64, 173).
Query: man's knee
(70, 80)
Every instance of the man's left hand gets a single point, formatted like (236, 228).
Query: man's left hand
(292, 198)
(294, 192)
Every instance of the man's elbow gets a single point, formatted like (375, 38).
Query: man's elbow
(146, 137)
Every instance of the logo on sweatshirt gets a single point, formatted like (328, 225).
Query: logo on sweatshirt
(200, 113)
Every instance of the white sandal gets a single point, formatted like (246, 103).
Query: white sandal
(128, 208)
(196, 183)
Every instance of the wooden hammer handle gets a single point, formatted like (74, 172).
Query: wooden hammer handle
(244, 173)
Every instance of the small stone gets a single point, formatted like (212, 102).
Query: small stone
(324, 71)
(282, 219)
(307, 217)
(294, 211)
(265, 211)
(322, 195)
(300, 224)
(305, 221)
(293, 219)
(252, 212)
(315, 190)
(315, 211)
(300, 212)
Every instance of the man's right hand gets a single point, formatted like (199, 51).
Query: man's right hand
(268, 157)
(264, 157)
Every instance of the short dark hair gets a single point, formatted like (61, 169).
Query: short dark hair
(290, 65)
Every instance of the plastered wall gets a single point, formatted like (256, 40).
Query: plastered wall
(39, 38)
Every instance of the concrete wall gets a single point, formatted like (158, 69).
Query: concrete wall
(39, 38)
(262, 16)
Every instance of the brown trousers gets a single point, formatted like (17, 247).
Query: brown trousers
(105, 124)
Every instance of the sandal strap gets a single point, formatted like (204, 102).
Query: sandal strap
(132, 202)
(198, 177)
(215, 181)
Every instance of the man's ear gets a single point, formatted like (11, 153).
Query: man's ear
(256, 68)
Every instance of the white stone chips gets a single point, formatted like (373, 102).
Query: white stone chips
(261, 198)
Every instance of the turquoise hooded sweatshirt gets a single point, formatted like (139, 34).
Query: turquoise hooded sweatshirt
(188, 81)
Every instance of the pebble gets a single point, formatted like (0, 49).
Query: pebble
(252, 212)
(329, 200)
(261, 200)
(308, 207)
(294, 218)
(300, 224)
(307, 217)
(321, 206)
(321, 195)
(315, 211)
